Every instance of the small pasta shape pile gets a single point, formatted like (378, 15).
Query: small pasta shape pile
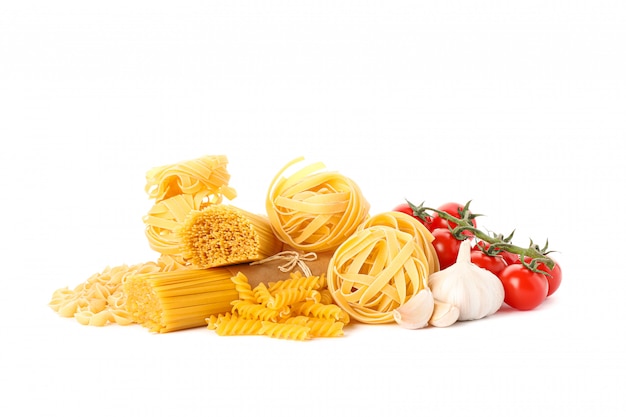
(287, 309)
(100, 300)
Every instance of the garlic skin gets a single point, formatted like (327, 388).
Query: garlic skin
(417, 311)
(444, 314)
(475, 291)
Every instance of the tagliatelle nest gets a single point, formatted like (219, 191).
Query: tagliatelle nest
(315, 210)
(375, 271)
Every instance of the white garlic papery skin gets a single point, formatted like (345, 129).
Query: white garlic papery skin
(476, 291)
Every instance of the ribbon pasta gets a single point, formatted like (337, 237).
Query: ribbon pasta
(375, 271)
(313, 210)
(177, 190)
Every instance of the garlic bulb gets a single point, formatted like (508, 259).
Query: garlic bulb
(475, 291)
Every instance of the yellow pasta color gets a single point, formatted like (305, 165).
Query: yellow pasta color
(292, 311)
(178, 189)
(243, 288)
(221, 235)
(313, 209)
(297, 280)
(100, 299)
(181, 299)
(252, 310)
(238, 326)
(284, 331)
(405, 223)
(375, 271)
(325, 311)
(207, 176)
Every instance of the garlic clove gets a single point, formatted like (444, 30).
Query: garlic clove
(444, 314)
(415, 313)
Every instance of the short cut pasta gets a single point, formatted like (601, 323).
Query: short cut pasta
(287, 309)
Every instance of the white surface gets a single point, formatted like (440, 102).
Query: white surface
(518, 106)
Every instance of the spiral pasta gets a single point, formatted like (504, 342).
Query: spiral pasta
(314, 210)
(375, 271)
(288, 309)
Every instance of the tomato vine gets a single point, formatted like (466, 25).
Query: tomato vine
(531, 257)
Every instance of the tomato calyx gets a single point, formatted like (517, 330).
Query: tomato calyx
(530, 257)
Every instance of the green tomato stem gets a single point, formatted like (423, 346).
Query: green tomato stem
(498, 242)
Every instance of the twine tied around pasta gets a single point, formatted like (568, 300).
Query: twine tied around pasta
(293, 259)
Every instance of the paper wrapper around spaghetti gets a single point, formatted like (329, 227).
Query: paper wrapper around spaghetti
(280, 266)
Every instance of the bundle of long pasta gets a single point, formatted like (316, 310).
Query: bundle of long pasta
(314, 210)
(170, 301)
(179, 188)
(411, 225)
(375, 271)
(224, 235)
(100, 300)
(182, 299)
(296, 308)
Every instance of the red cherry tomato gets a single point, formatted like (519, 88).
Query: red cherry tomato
(447, 247)
(554, 275)
(405, 208)
(523, 288)
(495, 263)
(509, 258)
(452, 209)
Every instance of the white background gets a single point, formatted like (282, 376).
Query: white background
(518, 106)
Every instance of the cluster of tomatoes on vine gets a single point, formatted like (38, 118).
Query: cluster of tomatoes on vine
(528, 275)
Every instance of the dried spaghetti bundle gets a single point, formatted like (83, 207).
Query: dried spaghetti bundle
(315, 210)
(375, 271)
(179, 188)
(170, 301)
(225, 235)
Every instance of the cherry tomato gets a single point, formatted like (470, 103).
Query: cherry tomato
(493, 263)
(447, 247)
(405, 208)
(523, 288)
(554, 275)
(452, 209)
(509, 258)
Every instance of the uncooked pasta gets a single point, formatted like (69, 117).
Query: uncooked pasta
(411, 225)
(206, 176)
(176, 300)
(221, 235)
(177, 189)
(288, 309)
(100, 300)
(313, 209)
(375, 271)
